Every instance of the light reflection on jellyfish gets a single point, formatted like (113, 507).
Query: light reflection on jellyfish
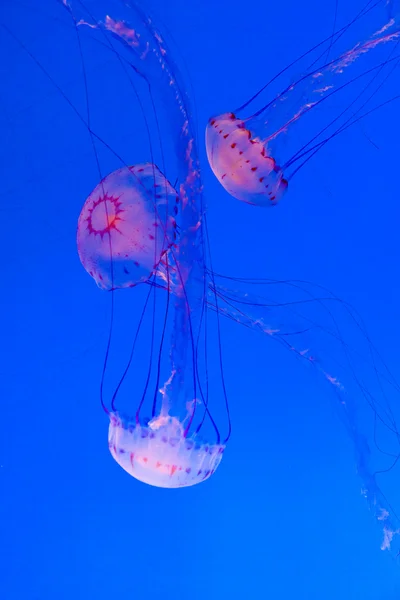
(248, 149)
(167, 408)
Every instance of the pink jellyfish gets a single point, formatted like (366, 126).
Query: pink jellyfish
(160, 453)
(126, 225)
(241, 162)
(244, 147)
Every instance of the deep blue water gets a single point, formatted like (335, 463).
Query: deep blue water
(283, 517)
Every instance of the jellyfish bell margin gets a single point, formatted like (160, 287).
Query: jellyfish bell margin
(242, 163)
(160, 453)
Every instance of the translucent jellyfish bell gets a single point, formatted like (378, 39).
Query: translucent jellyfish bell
(241, 163)
(245, 146)
(160, 454)
(126, 225)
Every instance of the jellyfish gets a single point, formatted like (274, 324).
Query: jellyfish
(126, 225)
(247, 148)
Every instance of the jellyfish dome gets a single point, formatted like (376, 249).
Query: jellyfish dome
(160, 454)
(242, 163)
(244, 146)
(126, 225)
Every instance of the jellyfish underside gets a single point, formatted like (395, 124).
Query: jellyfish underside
(159, 453)
(242, 163)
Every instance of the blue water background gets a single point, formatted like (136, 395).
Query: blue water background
(283, 517)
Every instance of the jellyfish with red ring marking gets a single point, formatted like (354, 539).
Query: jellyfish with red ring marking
(130, 216)
(248, 149)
